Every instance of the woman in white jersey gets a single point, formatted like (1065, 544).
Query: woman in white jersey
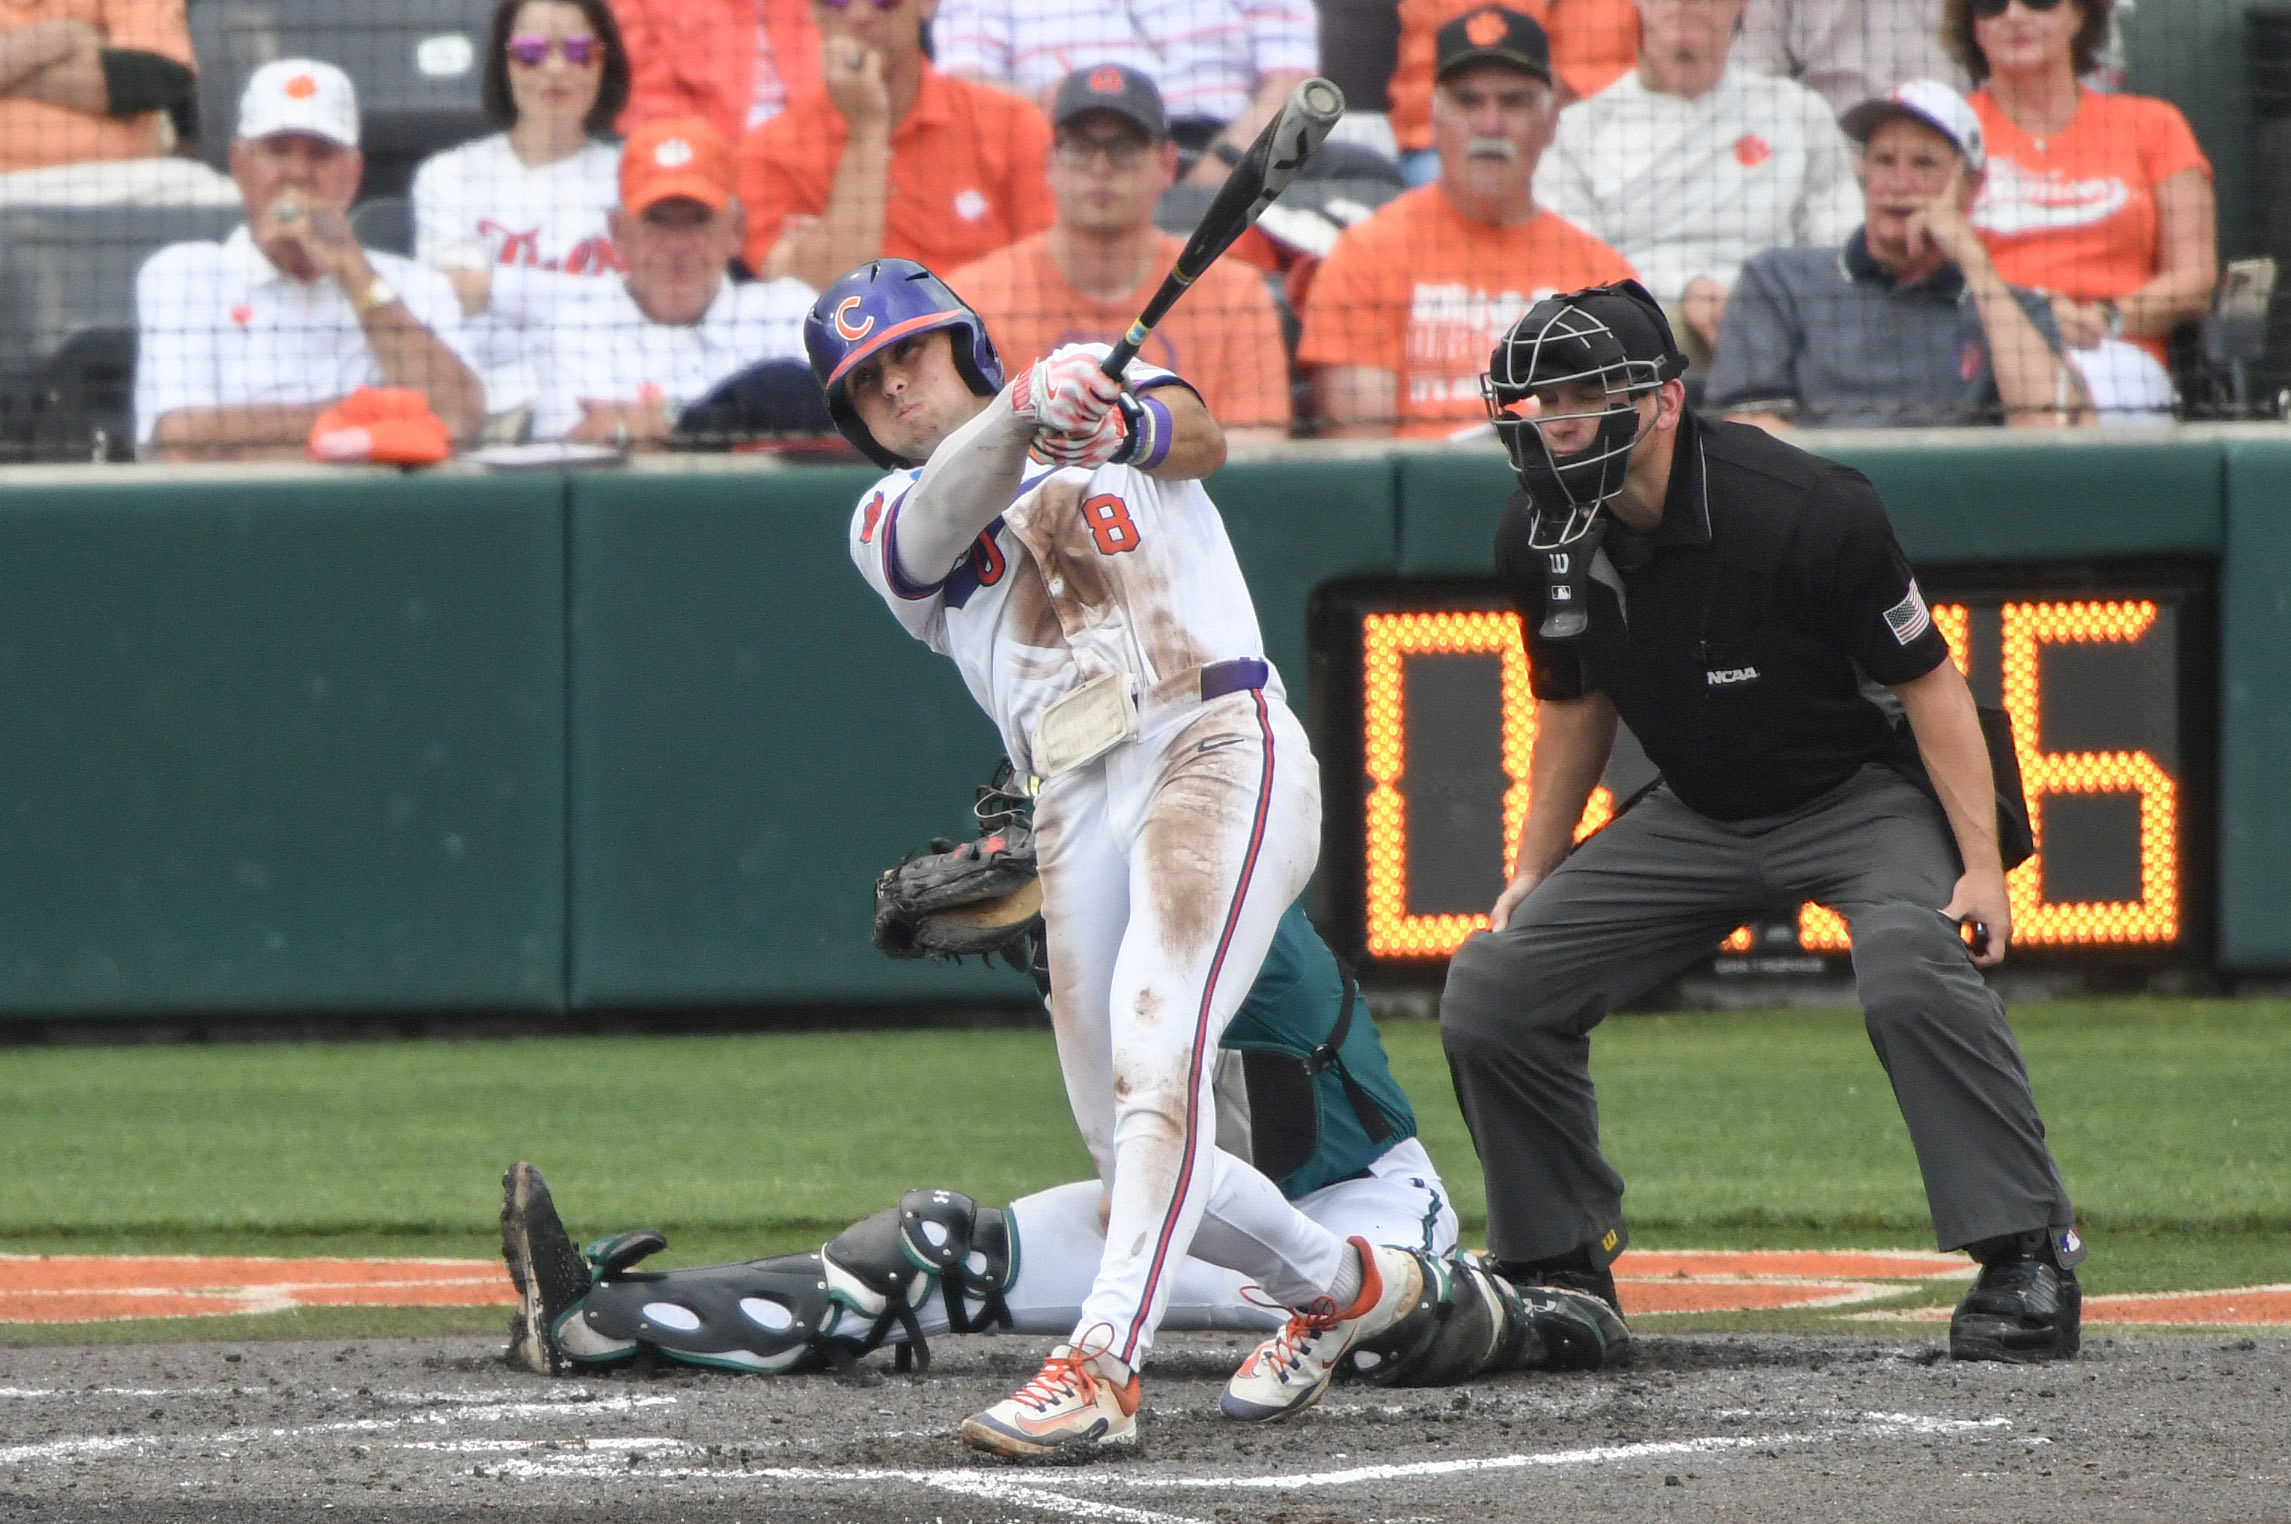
(535, 194)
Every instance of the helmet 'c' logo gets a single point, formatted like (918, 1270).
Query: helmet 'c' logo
(846, 327)
(1486, 29)
(1106, 81)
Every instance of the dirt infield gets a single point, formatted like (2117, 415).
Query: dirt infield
(92, 1288)
(1764, 1427)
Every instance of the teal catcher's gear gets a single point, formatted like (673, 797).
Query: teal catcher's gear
(1323, 1104)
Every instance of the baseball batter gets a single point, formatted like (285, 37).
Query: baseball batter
(1051, 536)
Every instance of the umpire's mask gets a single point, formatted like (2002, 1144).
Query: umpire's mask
(1616, 338)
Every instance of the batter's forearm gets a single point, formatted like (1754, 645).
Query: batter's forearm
(1197, 440)
(967, 483)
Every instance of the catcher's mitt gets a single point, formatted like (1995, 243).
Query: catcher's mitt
(980, 897)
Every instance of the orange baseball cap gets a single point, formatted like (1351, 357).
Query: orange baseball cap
(679, 156)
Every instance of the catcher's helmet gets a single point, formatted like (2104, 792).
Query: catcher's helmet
(1614, 335)
(878, 304)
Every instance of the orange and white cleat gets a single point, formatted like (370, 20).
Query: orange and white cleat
(1289, 1372)
(1068, 1411)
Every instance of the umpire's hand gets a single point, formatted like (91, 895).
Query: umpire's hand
(1981, 905)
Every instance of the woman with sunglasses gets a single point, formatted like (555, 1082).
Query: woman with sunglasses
(2103, 202)
(536, 193)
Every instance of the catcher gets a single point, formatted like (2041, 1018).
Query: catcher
(1307, 1096)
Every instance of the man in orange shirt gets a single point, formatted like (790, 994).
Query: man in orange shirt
(1084, 278)
(1593, 44)
(1407, 305)
(736, 62)
(82, 80)
(890, 157)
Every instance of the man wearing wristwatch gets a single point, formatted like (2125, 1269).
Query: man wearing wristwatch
(244, 343)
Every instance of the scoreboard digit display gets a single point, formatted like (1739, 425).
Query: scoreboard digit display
(1428, 705)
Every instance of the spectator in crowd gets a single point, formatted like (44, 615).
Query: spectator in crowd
(1089, 273)
(1593, 43)
(1405, 308)
(2102, 201)
(82, 80)
(1224, 67)
(1847, 50)
(245, 342)
(736, 62)
(536, 193)
(1912, 324)
(1690, 164)
(618, 359)
(890, 157)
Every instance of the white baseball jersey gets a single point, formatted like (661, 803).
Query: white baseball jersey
(588, 339)
(1695, 187)
(219, 325)
(1054, 592)
(478, 207)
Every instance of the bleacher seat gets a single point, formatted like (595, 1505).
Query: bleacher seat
(416, 64)
(84, 399)
(68, 268)
(66, 272)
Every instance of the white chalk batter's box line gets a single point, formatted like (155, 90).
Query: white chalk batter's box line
(1048, 1491)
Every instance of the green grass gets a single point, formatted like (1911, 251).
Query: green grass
(1768, 1129)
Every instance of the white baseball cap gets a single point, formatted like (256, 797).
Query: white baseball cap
(299, 95)
(1926, 101)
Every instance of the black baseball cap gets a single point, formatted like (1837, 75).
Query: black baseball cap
(1493, 34)
(1116, 88)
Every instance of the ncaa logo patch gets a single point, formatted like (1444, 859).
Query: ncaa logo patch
(847, 328)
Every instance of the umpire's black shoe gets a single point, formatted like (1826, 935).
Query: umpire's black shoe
(2024, 1307)
(1574, 1271)
(546, 1266)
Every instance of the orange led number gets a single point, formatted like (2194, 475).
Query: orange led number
(1388, 640)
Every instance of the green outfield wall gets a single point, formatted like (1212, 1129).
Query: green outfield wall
(300, 742)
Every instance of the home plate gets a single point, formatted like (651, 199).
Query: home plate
(88, 1288)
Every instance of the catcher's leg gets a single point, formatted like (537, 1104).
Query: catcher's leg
(936, 1261)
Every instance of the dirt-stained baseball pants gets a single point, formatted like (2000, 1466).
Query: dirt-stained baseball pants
(1654, 892)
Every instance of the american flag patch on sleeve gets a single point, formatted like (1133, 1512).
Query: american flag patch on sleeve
(1909, 618)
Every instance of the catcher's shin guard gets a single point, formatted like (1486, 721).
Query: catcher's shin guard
(1471, 1322)
(801, 1311)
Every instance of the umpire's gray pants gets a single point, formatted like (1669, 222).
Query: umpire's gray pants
(1654, 892)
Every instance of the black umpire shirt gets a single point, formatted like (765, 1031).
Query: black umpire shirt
(1733, 638)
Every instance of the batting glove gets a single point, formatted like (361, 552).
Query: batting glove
(1134, 433)
(1066, 392)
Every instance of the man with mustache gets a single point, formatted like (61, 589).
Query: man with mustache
(1408, 303)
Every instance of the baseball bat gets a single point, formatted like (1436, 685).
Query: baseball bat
(1272, 161)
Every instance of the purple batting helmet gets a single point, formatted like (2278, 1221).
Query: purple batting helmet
(876, 305)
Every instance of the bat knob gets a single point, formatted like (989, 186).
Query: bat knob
(1321, 97)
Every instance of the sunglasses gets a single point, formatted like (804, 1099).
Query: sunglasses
(1990, 10)
(532, 51)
